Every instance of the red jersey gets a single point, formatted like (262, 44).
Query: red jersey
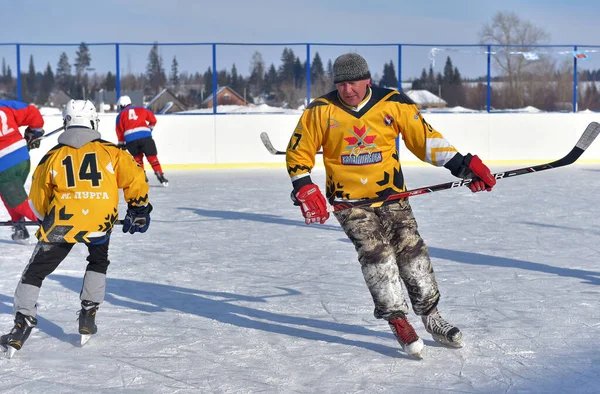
(134, 123)
(13, 114)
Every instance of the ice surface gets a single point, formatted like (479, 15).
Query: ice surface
(230, 292)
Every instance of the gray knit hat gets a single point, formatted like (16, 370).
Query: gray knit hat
(350, 67)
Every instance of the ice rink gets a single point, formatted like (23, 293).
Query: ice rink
(230, 292)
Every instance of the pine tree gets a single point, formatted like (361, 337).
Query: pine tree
(330, 73)
(155, 71)
(257, 74)
(63, 72)
(46, 85)
(3, 71)
(235, 79)
(208, 83)
(299, 73)
(271, 79)
(83, 60)
(286, 69)
(110, 82)
(174, 77)
(223, 78)
(8, 80)
(29, 92)
(317, 72)
(448, 72)
(389, 78)
(431, 80)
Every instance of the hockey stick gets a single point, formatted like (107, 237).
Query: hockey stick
(30, 223)
(267, 142)
(61, 128)
(588, 136)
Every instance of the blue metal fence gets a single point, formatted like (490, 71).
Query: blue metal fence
(489, 50)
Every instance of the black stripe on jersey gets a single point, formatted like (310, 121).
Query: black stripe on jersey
(401, 97)
(104, 142)
(377, 94)
(138, 201)
(49, 153)
(316, 103)
(297, 168)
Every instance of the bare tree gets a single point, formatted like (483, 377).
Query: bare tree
(507, 29)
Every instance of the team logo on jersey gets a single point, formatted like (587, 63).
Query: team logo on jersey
(388, 120)
(332, 123)
(362, 149)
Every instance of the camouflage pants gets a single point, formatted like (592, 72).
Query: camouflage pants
(12, 181)
(391, 252)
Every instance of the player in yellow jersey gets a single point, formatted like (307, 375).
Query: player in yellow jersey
(356, 125)
(75, 195)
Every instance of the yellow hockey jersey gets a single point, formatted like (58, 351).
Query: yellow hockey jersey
(359, 147)
(75, 190)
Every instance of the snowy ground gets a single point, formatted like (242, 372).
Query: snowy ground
(229, 292)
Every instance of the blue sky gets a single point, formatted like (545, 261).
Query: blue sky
(260, 21)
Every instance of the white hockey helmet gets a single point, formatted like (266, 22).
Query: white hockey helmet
(123, 102)
(81, 113)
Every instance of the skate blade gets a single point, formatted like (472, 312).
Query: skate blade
(84, 339)
(416, 356)
(440, 339)
(414, 349)
(165, 184)
(10, 352)
(22, 241)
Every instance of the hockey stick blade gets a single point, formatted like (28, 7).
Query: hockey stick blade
(31, 223)
(586, 139)
(264, 137)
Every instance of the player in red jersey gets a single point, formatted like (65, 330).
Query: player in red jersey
(14, 160)
(134, 132)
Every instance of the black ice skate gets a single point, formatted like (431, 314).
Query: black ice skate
(19, 232)
(87, 320)
(407, 337)
(442, 331)
(15, 339)
(162, 179)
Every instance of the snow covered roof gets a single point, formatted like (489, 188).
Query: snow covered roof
(424, 97)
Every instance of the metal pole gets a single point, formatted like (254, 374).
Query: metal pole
(308, 81)
(575, 81)
(19, 93)
(400, 68)
(489, 79)
(214, 77)
(117, 74)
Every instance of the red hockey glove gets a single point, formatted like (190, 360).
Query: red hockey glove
(483, 178)
(312, 203)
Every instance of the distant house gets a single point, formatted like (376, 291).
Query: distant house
(425, 99)
(225, 96)
(165, 102)
(58, 98)
(109, 98)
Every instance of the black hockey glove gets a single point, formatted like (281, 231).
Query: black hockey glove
(137, 219)
(33, 137)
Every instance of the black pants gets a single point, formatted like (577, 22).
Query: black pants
(45, 259)
(147, 146)
(48, 256)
